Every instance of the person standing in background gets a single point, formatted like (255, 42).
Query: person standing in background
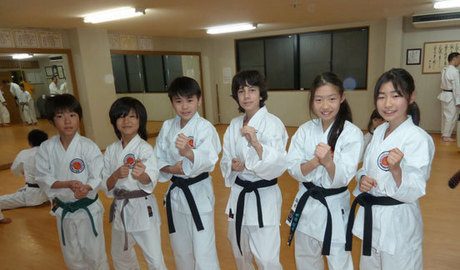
(4, 113)
(450, 96)
(53, 86)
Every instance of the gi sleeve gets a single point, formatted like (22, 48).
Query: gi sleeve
(45, 176)
(96, 163)
(416, 167)
(160, 153)
(148, 158)
(206, 153)
(107, 171)
(273, 162)
(18, 164)
(227, 156)
(297, 155)
(346, 160)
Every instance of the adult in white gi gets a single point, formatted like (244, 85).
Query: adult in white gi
(4, 113)
(311, 228)
(254, 156)
(16, 91)
(27, 107)
(53, 86)
(30, 194)
(141, 217)
(193, 245)
(81, 232)
(450, 96)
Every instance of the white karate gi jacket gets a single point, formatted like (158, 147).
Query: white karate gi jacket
(81, 161)
(206, 150)
(136, 212)
(272, 134)
(399, 226)
(346, 158)
(24, 164)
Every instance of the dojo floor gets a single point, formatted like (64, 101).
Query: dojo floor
(31, 240)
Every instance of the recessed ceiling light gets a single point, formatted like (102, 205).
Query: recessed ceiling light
(113, 15)
(19, 56)
(229, 28)
(447, 4)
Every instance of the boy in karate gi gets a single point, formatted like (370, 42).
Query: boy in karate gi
(69, 170)
(187, 149)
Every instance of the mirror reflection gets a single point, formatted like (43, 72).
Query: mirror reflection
(26, 80)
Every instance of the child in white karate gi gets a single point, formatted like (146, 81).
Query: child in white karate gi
(130, 174)
(187, 149)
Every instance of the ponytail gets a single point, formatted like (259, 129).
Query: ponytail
(343, 115)
(414, 111)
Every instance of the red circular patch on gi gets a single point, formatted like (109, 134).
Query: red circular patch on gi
(382, 161)
(130, 160)
(77, 165)
(191, 142)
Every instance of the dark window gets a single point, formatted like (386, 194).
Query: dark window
(172, 67)
(315, 56)
(293, 61)
(119, 73)
(251, 55)
(280, 62)
(135, 72)
(349, 57)
(154, 73)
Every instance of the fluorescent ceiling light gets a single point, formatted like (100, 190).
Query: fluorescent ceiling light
(447, 4)
(229, 28)
(113, 14)
(19, 56)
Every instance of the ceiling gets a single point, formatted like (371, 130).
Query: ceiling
(190, 18)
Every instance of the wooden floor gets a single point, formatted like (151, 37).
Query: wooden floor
(32, 236)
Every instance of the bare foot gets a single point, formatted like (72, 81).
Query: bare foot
(448, 139)
(5, 221)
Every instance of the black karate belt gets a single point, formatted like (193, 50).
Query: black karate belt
(125, 195)
(184, 183)
(73, 207)
(318, 193)
(444, 90)
(366, 200)
(32, 185)
(248, 187)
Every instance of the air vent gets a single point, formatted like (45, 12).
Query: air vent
(55, 58)
(436, 19)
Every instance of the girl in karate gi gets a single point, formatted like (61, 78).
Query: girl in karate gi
(395, 170)
(254, 156)
(130, 174)
(323, 156)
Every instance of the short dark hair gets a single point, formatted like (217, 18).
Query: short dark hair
(184, 87)
(249, 78)
(452, 56)
(121, 108)
(36, 137)
(62, 103)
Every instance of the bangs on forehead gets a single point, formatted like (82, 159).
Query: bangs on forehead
(124, 110)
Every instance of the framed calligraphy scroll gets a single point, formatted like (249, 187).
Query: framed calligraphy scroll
(435, 54)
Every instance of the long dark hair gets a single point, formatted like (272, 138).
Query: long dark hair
(404, 85)
(344, 112)
(121, 108)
